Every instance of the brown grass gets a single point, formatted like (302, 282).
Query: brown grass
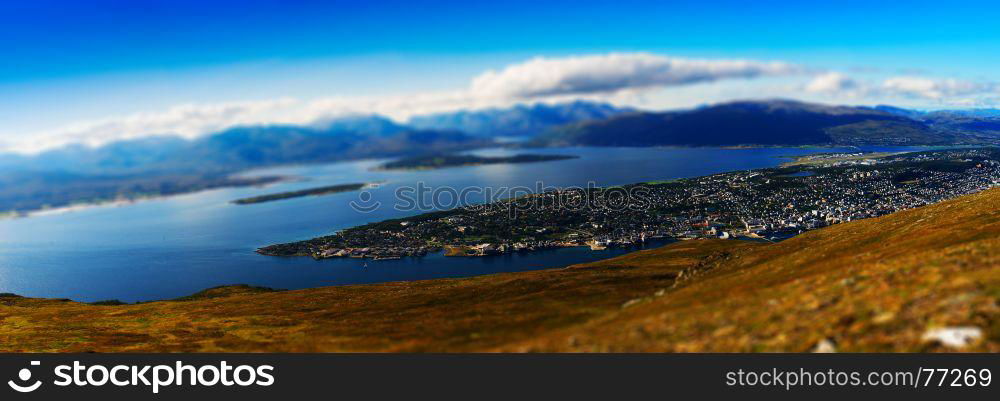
(872, 285)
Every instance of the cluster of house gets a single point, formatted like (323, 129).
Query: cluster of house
(377, 253)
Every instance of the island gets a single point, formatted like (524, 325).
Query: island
(432, 162)
(331, 189)
(771, 204)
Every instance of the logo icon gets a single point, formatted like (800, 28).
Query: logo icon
(365, 205)
(25, 375)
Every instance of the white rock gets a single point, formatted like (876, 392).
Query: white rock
(632, 302)
(955, 337)
(825, 346)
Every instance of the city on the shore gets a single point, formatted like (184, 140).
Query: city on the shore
(763, 205)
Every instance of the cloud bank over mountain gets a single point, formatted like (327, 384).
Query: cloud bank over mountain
(600, 77)
(611, 77)
(186, 120)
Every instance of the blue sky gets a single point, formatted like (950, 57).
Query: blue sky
(69, 63)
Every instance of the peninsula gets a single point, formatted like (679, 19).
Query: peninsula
(820, 159)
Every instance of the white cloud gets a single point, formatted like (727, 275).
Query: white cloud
(935, 89)
(542, 77)
(945, 91)
(918, 91)
(831, 82)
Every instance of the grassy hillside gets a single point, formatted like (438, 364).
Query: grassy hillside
(872, 285)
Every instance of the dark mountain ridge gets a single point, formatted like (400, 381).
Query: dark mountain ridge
(774, 122)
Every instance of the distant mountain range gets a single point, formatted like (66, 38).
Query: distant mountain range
(775, 122)
(517, 121)
(246, 147)
(169, 165)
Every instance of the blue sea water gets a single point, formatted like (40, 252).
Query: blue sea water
(175, 246)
